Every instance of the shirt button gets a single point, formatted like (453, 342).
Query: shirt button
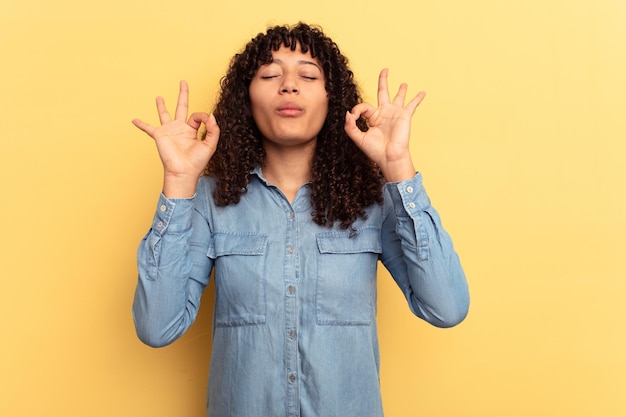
(291, 289)
(409, 189)
(292, 378)
(160, 225)
(412, 205)
(292, 334)
(163, 207)
(292, 249)
(292, 214)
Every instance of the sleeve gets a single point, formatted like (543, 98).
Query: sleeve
(420, 256)
(173, 271)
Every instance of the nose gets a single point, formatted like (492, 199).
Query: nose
(289, 85)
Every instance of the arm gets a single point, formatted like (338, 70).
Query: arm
(173, 271)
(172, 262)
(416, 249)
(420, 256)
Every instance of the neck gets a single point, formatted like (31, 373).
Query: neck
(288, 168)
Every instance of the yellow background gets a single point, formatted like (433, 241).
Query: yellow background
(521, 142)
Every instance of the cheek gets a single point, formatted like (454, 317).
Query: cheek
(260, 119)
(322, 111)
(257, 108)
(256, 97)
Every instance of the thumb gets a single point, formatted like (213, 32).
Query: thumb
(212, 129)
(352, 130)
(212, 134)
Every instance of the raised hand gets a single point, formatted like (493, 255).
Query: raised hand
(183, 154)
(386, 142)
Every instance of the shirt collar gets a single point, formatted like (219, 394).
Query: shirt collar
(259, 173)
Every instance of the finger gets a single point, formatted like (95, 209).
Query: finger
(144, 126)
(164, 116)
(412, 105)
(401, 95)
(182, 106)
(383, 89)
(196, 119)
(363, 109)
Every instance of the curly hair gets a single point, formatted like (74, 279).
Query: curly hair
(344, 180)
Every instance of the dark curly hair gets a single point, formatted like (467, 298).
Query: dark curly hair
(344, 180)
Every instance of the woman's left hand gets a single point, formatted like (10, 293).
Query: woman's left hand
(386, 142)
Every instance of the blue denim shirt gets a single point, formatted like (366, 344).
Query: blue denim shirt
(294, 330)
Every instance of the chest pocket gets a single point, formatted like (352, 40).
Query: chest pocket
(240, 262)
(346, 277)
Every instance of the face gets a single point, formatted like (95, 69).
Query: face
(289, 99)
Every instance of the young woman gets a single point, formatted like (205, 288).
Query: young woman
(292, 196)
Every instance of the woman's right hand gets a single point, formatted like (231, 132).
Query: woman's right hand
(183, 154)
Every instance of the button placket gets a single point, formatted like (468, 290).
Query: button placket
(291, 312)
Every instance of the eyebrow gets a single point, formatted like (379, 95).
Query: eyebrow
(300, 62)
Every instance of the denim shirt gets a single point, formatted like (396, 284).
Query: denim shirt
(294, 326)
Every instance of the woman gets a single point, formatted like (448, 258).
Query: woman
(292, 196)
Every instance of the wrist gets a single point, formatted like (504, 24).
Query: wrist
(398, 171)
(179, 186)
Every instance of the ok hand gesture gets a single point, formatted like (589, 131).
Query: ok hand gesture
(183, 154)
(387, 140)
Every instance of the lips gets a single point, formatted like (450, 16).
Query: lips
(289, 109)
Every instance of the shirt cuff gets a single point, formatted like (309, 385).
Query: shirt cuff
(409, 197)
(173, 215)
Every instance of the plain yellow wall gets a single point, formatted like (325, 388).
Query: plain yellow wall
(521, 141)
